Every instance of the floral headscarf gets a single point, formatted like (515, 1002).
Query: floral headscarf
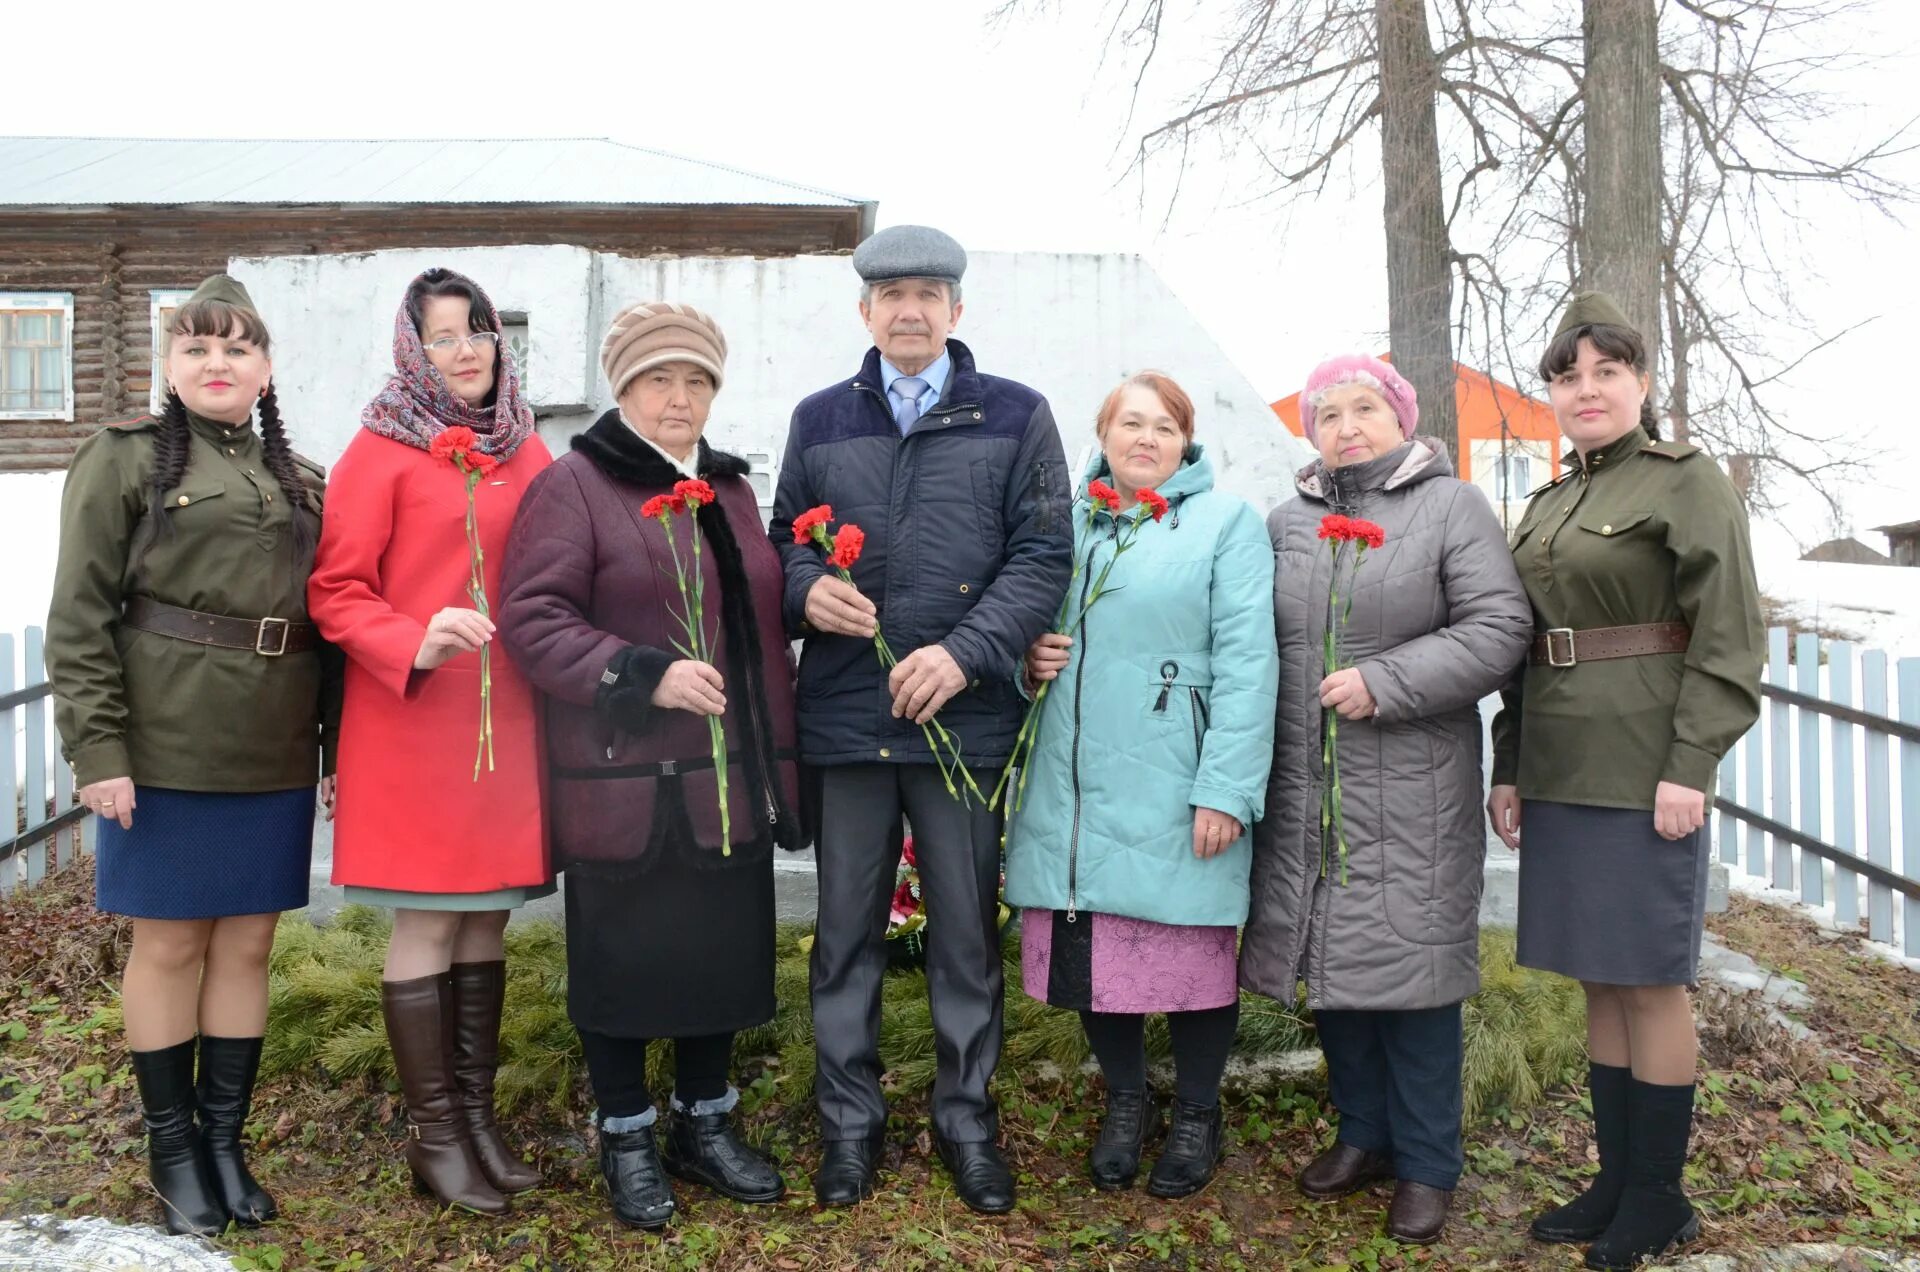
(416, 405)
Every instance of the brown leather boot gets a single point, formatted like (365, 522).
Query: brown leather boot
(479, 993)
(439, 1151)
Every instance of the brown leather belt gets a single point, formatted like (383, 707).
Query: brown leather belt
(1565, 647)
(268, 637)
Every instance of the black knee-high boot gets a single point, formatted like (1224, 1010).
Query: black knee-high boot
(228, 1067)
(1587, 1216)
(1654, 1215)
(175, 1162)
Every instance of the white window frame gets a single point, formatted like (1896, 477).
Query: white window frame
(62, 301)
(158, 301)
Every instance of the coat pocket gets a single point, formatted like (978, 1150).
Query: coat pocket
(1180, 699)
(1430, 818)
(987, 490)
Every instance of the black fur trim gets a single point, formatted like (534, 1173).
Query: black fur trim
(619, 452)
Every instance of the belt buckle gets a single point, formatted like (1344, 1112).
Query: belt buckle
(1572, 658)
(281, 625)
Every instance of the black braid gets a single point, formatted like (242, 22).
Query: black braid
(172, 447)
(279, 460)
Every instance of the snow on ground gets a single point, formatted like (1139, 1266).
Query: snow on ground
(1878, 606)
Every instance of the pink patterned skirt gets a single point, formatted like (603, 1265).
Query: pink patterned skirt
(1103, 962)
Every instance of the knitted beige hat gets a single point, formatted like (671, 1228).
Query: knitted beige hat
(651, 333)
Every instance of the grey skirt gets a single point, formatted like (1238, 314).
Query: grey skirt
(1604, 898)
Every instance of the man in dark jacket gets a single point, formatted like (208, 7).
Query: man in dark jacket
(959, 481)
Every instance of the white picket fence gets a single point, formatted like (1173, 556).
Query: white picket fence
(1808, 794)
(47, 829)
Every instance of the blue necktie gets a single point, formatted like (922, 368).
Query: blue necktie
(908, 389)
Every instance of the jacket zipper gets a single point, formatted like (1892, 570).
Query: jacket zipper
(1079, 678)
(1200, 721)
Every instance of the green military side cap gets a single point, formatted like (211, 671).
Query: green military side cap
(227, 290)
(1591, 309)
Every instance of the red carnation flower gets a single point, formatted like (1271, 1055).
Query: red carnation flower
(847, 545)
(1155, 502)
(1369, 533)
(452, 441)
(1336, 527)
(1101, 493)
(696, 492)
(814, 518)
(482, 463)
(663, 506)
(907, 857)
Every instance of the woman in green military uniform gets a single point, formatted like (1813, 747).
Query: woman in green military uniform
(1645, 669)
(192, 699)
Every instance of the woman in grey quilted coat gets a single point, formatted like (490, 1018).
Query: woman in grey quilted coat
(1389, 945)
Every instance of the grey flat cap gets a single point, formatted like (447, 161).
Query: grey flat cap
(910, 251)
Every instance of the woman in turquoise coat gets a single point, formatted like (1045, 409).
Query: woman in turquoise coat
(1129, 850)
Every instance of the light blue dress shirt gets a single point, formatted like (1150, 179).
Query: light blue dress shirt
(935, 375)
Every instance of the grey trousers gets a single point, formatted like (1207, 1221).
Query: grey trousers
(958, 850)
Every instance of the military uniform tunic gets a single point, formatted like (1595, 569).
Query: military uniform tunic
(1640, 532)
(224, 746)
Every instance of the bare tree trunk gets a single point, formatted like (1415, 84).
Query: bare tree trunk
(1419, 253)
(1620, 237)
(1679, 389)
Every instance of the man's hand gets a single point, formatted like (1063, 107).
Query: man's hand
(835, 605)
(923, 682)
(692, 686)
(1345, 691)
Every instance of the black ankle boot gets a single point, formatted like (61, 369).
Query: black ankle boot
(1192, 1153)
(704, 1148)
(225, 1089)
(1132, 1118)
(1587, 1216)
(1654, 1215)
(175, 1162)
(630, 1163)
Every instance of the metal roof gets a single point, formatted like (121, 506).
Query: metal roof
(93, 171)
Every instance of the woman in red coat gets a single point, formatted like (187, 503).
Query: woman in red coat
(450, 847)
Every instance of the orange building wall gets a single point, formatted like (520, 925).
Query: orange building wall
(1481, 402)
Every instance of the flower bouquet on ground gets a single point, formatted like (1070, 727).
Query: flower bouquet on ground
(1338, 532)
(687, 499)
(459, 446)
(1151, 505)
(907, 914)
(843, 549)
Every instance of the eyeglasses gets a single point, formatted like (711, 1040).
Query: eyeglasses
(482, 342)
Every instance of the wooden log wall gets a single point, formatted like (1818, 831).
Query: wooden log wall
(111, 259)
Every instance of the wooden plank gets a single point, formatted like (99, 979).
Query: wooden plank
(62, 801)
(1806, 656)
(1729, 789)
(36, 744)
(1873, 671)
(1909, 671)
(1846, 884)
(1756, 782)
(9, 760)
(1780, 745)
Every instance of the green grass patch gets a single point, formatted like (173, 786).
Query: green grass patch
(1525, 1031)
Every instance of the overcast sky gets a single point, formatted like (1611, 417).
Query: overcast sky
(1010, 137)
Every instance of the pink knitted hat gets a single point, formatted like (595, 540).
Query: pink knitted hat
(1358, 368)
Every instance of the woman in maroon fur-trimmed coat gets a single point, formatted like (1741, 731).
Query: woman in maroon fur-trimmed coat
(667, 935)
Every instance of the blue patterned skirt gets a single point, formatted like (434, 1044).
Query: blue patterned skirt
(206, 854)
